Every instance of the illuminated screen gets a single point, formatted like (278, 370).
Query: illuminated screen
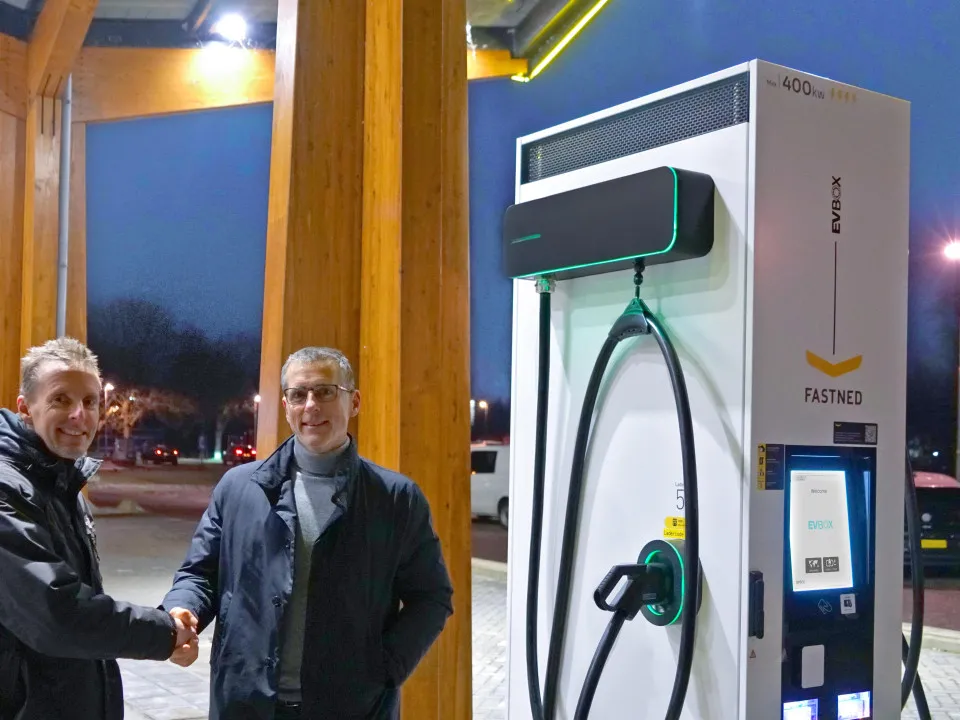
(855, 706)
(819, 530)
(800, 710)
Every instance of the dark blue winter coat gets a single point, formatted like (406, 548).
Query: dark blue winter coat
(379, 550)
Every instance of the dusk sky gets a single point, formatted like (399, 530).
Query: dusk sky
(177, 206)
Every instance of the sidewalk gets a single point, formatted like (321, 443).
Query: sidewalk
(163, 691)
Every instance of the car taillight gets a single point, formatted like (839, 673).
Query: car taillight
(176, 452)
(253, 452)
(238, 452)
(158, 452)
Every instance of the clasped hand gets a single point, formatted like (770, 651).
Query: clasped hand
(188, 644)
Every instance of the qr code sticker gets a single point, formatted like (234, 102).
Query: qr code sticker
(870, 434)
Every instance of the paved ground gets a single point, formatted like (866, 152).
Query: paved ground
(141, 553)
(941, 600)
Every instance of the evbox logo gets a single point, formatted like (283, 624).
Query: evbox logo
(820, 525)
(835, 193)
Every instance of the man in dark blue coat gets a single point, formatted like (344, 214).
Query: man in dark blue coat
(322, 569)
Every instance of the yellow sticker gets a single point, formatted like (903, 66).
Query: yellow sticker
(674, 522)
(761, 467)
(677, 533)
(930, 544)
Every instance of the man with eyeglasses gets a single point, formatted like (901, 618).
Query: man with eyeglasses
(322, 569)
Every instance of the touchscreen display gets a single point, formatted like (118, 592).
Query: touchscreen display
(855, 706)
(800, 710)
(819, 530)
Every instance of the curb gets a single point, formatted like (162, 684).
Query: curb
(937, 639)
(490, 566)
(125, 507)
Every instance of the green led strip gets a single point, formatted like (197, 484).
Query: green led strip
(673, 241)
(535, 236)
(683, 585)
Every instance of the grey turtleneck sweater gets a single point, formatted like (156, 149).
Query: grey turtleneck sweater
(314, 486)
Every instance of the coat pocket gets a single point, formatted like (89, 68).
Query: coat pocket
(221, 628)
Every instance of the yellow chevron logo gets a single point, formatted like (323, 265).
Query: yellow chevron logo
(834, 369)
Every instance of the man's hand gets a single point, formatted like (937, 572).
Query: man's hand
(188, 644)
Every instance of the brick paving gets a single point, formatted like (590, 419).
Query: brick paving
(162, 691)
(140, 555)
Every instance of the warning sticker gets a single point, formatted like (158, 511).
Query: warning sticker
(770, 467)
(674, 533)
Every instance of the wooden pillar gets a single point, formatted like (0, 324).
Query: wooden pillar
(54, 45)
(77, 256)
(12, 160)
(312, 274)
(367, 250)
(41, 224)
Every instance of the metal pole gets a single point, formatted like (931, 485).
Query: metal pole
(956, 370)
(64, 244)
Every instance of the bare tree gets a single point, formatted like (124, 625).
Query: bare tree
(129, 405)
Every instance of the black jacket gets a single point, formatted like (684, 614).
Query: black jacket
(59, 634)
(379, 550)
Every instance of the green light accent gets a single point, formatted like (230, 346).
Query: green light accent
(634, 308)
(683, 585)
(646, 561)
(668, 248)
(525, 238)
(564, 41)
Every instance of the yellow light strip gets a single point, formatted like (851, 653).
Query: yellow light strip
(567, 39)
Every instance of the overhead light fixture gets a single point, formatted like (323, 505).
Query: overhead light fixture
(564, 41)
(231, 27)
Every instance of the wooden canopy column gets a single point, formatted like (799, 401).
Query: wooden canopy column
(51, 53)
(367, 251)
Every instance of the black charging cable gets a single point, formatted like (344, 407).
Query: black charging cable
(911, 651)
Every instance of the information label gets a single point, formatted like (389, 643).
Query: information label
(819, 531)
(769, 467)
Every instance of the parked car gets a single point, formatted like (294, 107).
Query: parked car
(490, 481)
(160, 454)
(239, 453)
(938, 499)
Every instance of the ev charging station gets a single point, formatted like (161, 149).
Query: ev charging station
(766, 212)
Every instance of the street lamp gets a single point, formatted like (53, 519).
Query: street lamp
(483, 405)
(951, 251)
(107, 389)
(256, 417)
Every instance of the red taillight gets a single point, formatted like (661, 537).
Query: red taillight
(253, 452)
(176, 452)
(238, 452)
(158, 452)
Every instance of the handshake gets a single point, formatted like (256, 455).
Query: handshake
(188, 644)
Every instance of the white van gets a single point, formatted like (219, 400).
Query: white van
(490, 480)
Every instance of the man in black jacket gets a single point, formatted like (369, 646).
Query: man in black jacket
(305, 558)
(59, 633)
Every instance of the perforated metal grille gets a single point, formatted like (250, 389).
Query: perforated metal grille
(697, 112)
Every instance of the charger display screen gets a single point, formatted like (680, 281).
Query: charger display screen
(820, 553)
(855, 706)
(801, 710)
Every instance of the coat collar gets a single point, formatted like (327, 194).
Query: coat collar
(278, 469)
(24, 449)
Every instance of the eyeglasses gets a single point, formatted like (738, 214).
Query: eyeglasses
(297, 396)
